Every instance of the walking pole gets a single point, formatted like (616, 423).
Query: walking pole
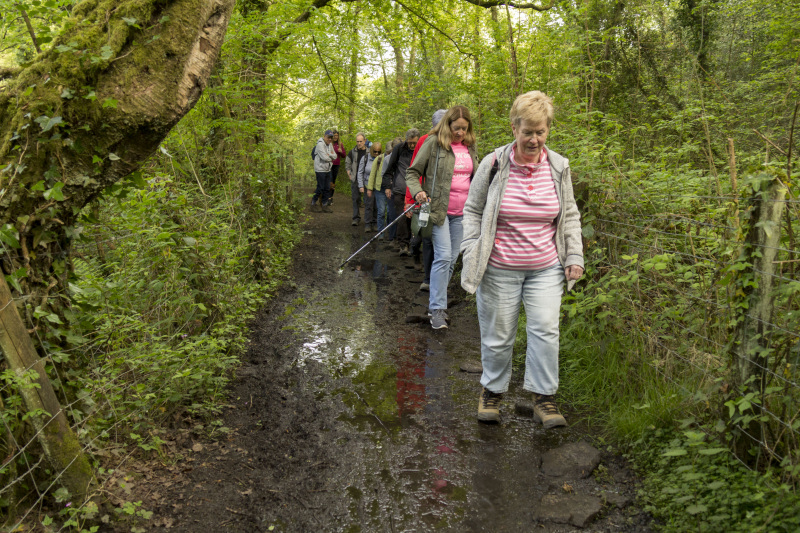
(392, 223)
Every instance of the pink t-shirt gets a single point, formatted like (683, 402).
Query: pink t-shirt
(526, 223)
(459, 187)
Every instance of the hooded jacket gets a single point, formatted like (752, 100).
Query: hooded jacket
(483, 205)
(394, 177)
(324, 156)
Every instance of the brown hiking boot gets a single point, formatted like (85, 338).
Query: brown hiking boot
(546, 411)
(489, 407)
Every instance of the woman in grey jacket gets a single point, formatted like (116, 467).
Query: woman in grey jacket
(522, 241)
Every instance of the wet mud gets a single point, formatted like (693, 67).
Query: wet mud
(349, 413)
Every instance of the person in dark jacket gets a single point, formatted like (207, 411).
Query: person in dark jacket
(394, 178)
(351, 165)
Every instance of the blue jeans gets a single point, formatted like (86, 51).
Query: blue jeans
(498, 296)
(323, 191)
(381, 202)
(446, 246)
(392, 214)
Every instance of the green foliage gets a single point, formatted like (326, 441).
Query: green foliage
(696, 485)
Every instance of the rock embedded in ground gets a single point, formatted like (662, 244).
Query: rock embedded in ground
(613, 498)
(576, 460)
(471, 367)
(576, 509)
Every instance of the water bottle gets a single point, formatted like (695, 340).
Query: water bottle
(424, 213)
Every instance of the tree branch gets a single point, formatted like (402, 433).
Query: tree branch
(327, 73)
(271, 46)
(423, 19)
(30, 28)
(485, 4)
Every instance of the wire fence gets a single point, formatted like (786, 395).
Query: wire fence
(711, 295)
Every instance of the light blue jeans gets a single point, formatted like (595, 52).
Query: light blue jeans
(499, 295)
(446, 247)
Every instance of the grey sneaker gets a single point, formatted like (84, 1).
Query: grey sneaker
(489, 406)
(425, 286)
(444, 312)
(438, 319)
(355, 222)
(545, 411)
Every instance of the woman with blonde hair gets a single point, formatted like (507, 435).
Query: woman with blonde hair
(522, 241)
(448, 161)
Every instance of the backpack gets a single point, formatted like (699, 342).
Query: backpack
(314, 152)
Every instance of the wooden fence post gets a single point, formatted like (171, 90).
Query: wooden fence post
(60, 444)
(763, 240)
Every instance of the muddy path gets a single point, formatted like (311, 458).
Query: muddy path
(346, 417)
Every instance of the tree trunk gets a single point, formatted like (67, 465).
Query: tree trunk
(87, 113)
(60, 444)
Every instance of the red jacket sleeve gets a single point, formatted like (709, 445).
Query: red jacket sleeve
(421, 140)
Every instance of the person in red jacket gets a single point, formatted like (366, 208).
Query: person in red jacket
(338, 147)
(426, 243)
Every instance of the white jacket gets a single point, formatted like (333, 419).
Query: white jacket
(324, 156)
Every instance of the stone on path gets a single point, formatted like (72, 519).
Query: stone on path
(471, 367)
(575, 461)
(575, 509)
(613, 498)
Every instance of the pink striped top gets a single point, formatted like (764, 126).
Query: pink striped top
(459, 187)
(526, 223)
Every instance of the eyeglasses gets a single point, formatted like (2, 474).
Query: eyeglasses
(376, 152)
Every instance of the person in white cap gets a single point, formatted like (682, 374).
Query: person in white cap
(323, 159)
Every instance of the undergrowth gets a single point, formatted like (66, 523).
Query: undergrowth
(679, 443)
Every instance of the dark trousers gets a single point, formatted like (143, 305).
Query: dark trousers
(323, 191)
(370, 210)
(403, 232)
(426, 244)
(334, 173)
(356, 195)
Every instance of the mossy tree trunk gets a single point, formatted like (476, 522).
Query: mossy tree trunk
(79, 118)
(86, 114)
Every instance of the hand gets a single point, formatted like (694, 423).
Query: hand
(389, 194)
(369, 193)
(361, 189)
(409, 214)
(573, 272)
(421, 197)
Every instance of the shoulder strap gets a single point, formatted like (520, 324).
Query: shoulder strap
(493, 172)
(435, 168)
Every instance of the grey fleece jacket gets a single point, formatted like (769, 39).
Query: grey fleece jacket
(483, 205)
(324, 155)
